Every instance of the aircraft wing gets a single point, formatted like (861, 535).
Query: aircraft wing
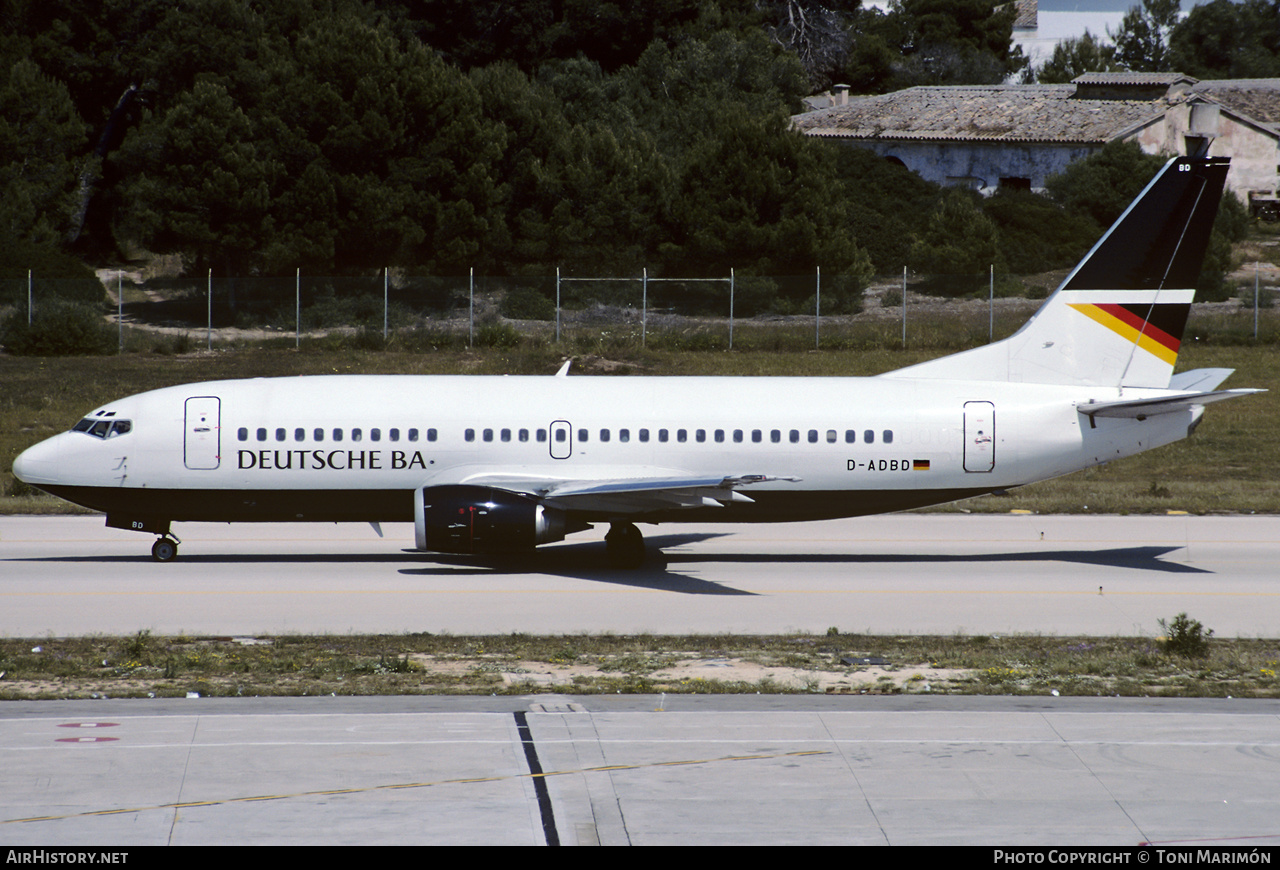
(632, 491)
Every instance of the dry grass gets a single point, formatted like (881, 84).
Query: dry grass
(150, 666)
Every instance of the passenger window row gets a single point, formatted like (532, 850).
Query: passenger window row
(699, 436)
(318, 434)
(682, 436)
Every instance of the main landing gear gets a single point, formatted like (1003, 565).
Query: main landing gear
(165, 549)
(625, 546)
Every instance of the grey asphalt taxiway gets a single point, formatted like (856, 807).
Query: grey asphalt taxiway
(1185, 777)
(1186, 774)
(902, 574)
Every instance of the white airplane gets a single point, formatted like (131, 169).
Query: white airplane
(495, 464)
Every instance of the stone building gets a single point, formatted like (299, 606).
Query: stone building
(991, 136)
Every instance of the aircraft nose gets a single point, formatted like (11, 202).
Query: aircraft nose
(38, 464)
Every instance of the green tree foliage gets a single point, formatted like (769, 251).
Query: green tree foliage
(358, 150)
(959, 41)
(672, 92)
(58, 329)
(1103, 184)
(1142, 41)
(753, 192)
(1036, 233)
(473, 34)
(885, 202)
(930, 42)
(958, 244)
(42, 145)
(1225, 39)
(1076, 56)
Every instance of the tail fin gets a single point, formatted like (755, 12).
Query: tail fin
(1118, 318)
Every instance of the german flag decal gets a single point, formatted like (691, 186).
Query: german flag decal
(1156, 329)
(920, 465)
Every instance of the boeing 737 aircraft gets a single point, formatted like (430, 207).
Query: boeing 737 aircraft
(495, 464)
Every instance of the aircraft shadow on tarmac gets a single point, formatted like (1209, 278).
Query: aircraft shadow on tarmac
(660, 571)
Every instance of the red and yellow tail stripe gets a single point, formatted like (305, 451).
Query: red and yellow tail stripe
(1136, 324)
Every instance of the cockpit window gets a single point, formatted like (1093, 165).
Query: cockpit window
(99, 428)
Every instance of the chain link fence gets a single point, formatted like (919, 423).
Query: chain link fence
(592, 313)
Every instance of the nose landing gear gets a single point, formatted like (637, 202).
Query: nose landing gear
(165, 549)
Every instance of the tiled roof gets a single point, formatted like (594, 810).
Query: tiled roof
(1131, 78)
(1027, 14)
(1011, 113)
(1258, 99)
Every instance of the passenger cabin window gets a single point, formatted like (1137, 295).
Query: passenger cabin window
(413, 434)
(337, 434)
(242, 433)
(262, 434)
(318, 435)
(356, 434)
(281, 435)
(299, 434)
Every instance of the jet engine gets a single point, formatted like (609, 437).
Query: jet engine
(481, 519)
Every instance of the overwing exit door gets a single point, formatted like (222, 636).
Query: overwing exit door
(561, 440)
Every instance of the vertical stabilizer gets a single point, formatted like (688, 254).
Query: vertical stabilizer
(1118, 318)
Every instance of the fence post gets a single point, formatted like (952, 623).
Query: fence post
(120, 310)
(991, 307)
(644, 304)
(386, 277)
(731, 308)
(1255, 300)
(297, 308)
(471, 306)
(208, 296)
(817, 308)
(28, 297)
(904, 306)
(557, 304)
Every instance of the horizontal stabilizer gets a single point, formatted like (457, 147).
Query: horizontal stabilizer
(1140, 409)
(1199, 379)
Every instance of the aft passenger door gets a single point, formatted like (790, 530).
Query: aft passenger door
(202, 441)
(979, 436)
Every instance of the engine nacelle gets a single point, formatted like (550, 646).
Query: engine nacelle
(481, 519)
